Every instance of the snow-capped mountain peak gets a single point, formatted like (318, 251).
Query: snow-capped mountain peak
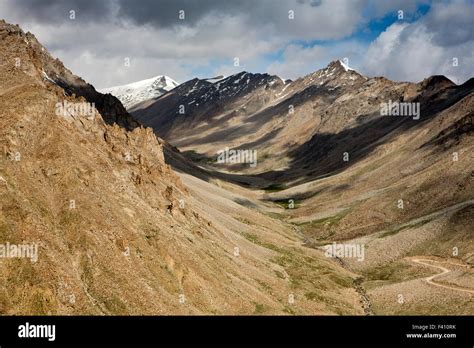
(345, 66)
(136, 92)
(338, 66)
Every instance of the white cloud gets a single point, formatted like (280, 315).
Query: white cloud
(176, 52)
(298, 60)
(95, 44)
(414, 51)
(95, 49)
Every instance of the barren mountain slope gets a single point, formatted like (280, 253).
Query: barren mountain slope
(339, 171)
(118, 231)
(410, 195)
(429, 166)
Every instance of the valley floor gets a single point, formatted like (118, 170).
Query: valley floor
(405, 269)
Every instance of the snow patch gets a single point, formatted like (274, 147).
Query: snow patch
(137, 92)
(346, 67)
(47, 77)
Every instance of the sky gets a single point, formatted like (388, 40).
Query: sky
(115, 42)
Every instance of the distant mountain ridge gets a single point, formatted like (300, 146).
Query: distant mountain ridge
(137, 92)
(238, 95)
(304, 124)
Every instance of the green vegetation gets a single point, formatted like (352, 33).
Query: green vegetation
(274, 188)
(113, 304)
(304, 271)
(325, 225)
(277, 216)
(198, 157)
(313, 296)
(69, 217)
(395, 272)
(284, 203)
(289, 310)
(243, 220)
(279, 274)
(6, 232)
(41, 302)
(255, 240)
(264, 285)
(259, 308)
(327, 221)
(397, 229)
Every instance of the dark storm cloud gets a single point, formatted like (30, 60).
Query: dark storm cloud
(312, 3)
(58, 10)
(215, 31)
(164, 13)
(159, 13)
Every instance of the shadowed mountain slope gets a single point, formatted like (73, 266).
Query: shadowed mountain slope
(117, 230)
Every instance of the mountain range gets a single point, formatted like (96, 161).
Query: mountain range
(133, 213)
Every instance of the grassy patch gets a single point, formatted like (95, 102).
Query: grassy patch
(243, 220)
(306, 273)
(255, 240)
(274, 188)
(259, 308)
(327, 221)
(289, 310)
(264, 285)
(285, 203)
(394, 272)
(279, 274)
(273, 215)
(395, 230)
(325, 226)
(314, 296)
(6, 233)
(198, 157)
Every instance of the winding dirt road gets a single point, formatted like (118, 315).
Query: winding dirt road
(444, 270)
